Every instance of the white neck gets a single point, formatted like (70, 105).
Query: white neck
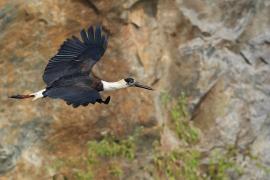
(110, 86)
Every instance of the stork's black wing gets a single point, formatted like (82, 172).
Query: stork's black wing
(76, 56)
(76, 90)
(75, 96)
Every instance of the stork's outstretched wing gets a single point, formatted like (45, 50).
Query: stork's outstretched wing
(76, 90)
(76, 56)
(74, 95)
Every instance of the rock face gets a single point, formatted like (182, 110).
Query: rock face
(217, 52)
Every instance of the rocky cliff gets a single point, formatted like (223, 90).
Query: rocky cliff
(209, 62)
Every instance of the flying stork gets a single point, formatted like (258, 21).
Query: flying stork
(68, 74)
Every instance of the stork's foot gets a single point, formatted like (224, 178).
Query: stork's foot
(107, 100)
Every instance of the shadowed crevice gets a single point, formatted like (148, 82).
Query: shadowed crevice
(90, 4)
(149, 6)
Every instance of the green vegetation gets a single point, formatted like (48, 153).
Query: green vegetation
(181, 123)
(178, 164)
(85, 175)
(220, 163)
(263, 167)
(185, 163)
(56, 165)
(180, 120)
(110, 155)
(181, 163)
(116, 170)
(165, 98)
(109, 148)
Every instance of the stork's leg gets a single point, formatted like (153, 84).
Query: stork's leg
(107, 100)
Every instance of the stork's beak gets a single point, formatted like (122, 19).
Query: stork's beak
(137, 84)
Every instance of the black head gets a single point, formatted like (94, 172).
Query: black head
(132, 83)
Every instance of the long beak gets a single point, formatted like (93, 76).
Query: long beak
(137, 84)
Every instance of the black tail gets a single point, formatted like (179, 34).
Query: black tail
(21, 96)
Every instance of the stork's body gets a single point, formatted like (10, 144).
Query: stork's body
(68, 74)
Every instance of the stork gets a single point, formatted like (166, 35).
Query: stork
(68, 75)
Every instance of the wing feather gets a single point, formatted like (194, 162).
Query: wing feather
(84, 35)
(73, 95)
(91, 33)
(76, 90)
(76, 56)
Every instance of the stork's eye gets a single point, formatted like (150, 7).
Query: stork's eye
(129, 80)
